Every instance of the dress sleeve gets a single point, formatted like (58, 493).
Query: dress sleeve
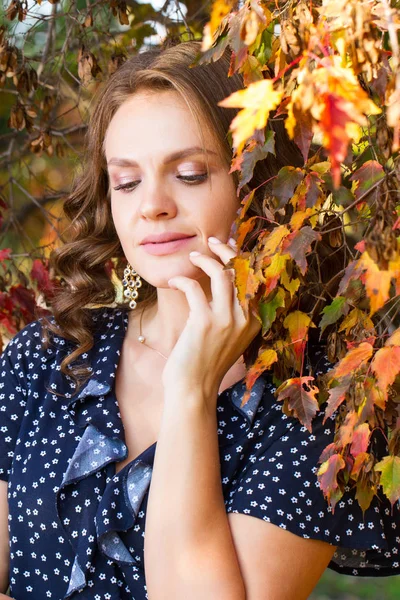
(277, 482)
(12, 403)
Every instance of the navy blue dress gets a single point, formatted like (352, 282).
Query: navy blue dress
(77, 528)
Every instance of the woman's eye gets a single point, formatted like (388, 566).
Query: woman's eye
(193, 178)
(126, 187)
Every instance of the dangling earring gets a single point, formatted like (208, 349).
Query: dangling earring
(131, 282)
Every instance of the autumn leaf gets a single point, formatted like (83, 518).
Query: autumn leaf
(257, 101)
(219, 10)
(360, 441)
(358, 318)
(264, 362)
(298, 324)
(333, 312)
(352, 361)
(246, 280)
(327, 477)
(250, 158)
(389, 467)
(366, 176)
(299, 398)
(344, 435)
(285, 183)
(273, 271)
(386, 365)
(267, 310)
(394, 339)
(336, 396)
(298, 244)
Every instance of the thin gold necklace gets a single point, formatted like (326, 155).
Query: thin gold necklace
(142, 339)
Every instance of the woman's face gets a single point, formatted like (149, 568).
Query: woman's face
(159, 184)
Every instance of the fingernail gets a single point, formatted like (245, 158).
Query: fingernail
(232, 242)
(194, 253)
(214, 240)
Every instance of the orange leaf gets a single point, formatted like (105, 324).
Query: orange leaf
(377, 282)
(346, 430)
(263, 362)
(327, 477)
(353, 360)
(300, 399)
(394, 339)
(386, 365)
(336, 396)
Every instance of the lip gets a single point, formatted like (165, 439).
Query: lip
(167, 236)
(162, 248)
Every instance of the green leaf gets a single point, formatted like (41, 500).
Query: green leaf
(333, 312)
(390, 477)
(267, 310)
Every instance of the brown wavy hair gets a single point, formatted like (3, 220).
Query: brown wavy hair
(92, 239)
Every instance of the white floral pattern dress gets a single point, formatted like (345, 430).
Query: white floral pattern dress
(77, 528)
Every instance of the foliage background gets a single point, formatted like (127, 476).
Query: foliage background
(53, 57)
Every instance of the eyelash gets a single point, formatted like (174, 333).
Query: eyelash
(188, 180)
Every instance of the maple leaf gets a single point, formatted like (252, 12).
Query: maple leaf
(298, 244)
(267, 310)
(336, 396)
(386, 365)
(257, 101)
(299, 397)
(389, 467)
(333, 312)
(366, 176)
(352, 361)
(345, 432)
(361, 435)
(285, 183)
(327, 477)
(219, 10)
(264, 362)
(298, 324)
(272, 272)
(246, 280)
(356, 317)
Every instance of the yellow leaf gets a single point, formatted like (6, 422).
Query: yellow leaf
(298, 324)
(356, 317)
(257, 101)
(291, 285)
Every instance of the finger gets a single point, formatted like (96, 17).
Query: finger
(195, 296)
(224, 251)
(221, 286)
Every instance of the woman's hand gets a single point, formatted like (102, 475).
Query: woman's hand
(216, 333)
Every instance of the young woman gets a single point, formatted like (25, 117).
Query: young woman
(133, 471)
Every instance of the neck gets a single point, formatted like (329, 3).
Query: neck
(164, 321)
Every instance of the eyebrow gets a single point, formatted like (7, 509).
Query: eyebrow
(126, 162)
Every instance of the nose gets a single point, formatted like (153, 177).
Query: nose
(157, 201)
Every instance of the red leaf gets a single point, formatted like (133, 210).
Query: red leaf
(360, 441)
(300, 399)
(327, 477)
(40, 274)
(5, 254)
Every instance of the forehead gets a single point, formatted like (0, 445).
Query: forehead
(156, 122)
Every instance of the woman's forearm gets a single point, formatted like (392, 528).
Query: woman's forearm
(188, 549)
